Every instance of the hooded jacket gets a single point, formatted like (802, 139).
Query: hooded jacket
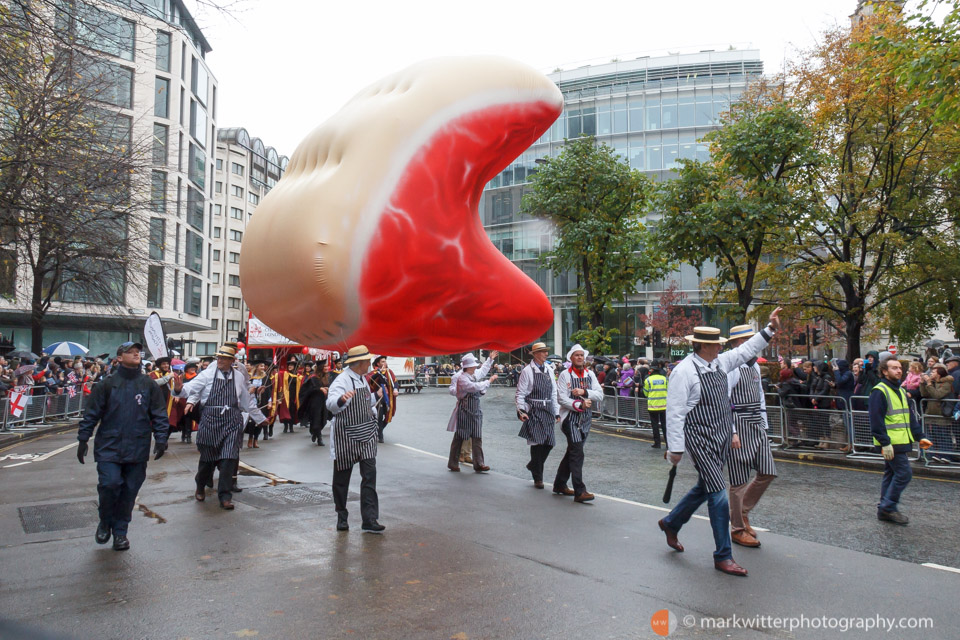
(845, 381)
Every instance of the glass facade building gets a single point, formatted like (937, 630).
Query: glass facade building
(653, 111)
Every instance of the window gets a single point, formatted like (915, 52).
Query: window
(233, 303)
(219, 164)
(216, 256)
(194, 261)
(236, 214)
(217, 231)
(197, 166)
(195, 209)
(192, 295)
(207, 348)
(233, 325)
(234, 257)
(160, 136)
(105, 81)
(218, 186)
(113, 129)
(198, 123)
(158, 233)
(108, 288)
(161, 98)
(253, 198)
(216, 324)
(236, 235)
(155, 285)
(236, 168)
(163, 51)
(234, 281)
(216, 278)
(215, 301)
(158, 191)
(198, 81)
(236, 190)
(217, 210)
(97, 29)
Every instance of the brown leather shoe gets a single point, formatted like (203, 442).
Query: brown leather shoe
(563, 491)
(744, 539)
(747, 527)
(538, 484)
(481, 469)
(457, 469)
(672, 541)
(730, 567)
(468, 459)
(200, 495)
(586, 496)
(226, 504)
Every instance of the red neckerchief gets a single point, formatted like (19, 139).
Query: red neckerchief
(574, 371)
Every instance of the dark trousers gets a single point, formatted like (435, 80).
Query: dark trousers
(317, 416)
(538, 457)
(454, 460)
(658, 422)
(118, 485)
(896, 476)
(718, 508)
(228, 471)
(369, 502)
(571, 466)
(381, 419)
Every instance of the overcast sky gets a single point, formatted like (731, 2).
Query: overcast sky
(285, 66)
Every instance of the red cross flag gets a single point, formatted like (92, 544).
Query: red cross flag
(18, 402)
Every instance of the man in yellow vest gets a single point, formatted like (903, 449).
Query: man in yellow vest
(895, 429)
(655, 389)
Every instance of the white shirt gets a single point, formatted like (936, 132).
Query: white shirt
(525, 388)
(198, 391)
(595, 393)
(683, 393)
(479, 374)
(346, 381)
(733, 378)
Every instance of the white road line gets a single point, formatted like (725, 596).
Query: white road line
(599, 495)
(941, 567)
(44, 456)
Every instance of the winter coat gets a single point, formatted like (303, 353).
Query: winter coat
(129, 408)
(845, 382)
(942, 388)
(626, 383)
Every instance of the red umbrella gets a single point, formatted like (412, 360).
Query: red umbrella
(176, 361)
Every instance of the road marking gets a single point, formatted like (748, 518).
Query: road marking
(45, 456)
(941, 567)
(397, 444)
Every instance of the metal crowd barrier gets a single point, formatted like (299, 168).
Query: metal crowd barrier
(943, 432)
(42, 408)
(821, 422)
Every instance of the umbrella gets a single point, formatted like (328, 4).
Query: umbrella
(554, 357)
(177, 362)
(23, 355)
(66, 349)
(762, 361)
(934, 344)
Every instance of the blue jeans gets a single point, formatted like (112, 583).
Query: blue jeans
(717, 507)
(896, 477)
(118, 487)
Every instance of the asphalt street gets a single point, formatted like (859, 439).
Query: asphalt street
(464, 555)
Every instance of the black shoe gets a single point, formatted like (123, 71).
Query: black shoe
(120, 543)
(655, 446)
(320, 443)
(892, 516)
(103, 533)
(342, 524)
(373, 527)
(236, 489)
(380, 440)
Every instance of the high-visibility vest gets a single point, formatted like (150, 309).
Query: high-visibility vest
(655, 388)
(897, 419)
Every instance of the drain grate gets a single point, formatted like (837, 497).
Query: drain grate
(287, 495)
(44, 518)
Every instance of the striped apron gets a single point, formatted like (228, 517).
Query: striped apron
(577, 424)
(469, 417)
(754, 451)
(708, 429)
(354, 431)
(539, 427)
(221, 424)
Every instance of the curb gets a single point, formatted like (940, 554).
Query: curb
(9, 439)
(838, 460)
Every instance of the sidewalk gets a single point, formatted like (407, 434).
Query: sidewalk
(836, 458)
(8, 438)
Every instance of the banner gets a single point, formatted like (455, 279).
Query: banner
(260, 335)
(18, 402)
(153, 336)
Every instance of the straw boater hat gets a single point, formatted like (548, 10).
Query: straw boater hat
(356, 354)
(469, 361)
(538, 346)
(226, 351)
(741, 331)
(706, 335)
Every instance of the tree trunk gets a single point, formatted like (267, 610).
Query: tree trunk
(853, 328)
(37, 315)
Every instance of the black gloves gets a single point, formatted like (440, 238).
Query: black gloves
(159, 450)
(81, 451)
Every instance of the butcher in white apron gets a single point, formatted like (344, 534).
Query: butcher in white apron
(467, 419)
(539, 410)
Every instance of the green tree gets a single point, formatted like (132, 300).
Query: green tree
(596, 203)
(728, 209)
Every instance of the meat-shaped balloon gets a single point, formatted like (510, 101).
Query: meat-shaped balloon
(373, 236)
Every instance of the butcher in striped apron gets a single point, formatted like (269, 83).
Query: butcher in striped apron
(539, 410)
(467, 419)
(700, 421)
(750, 448)
(354, 439)
(577, 391)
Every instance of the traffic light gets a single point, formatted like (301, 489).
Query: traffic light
(816, 336)
(646, 340)
(657, 338)
(800, 339)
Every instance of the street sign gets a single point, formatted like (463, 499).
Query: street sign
(892, 349)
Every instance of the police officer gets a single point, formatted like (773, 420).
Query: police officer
(895, 429)
(655, 389)
(129, 408)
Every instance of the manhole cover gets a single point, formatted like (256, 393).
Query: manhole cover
(59, 517)
(285, 494)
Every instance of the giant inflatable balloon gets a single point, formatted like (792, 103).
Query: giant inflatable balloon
(373, 236)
